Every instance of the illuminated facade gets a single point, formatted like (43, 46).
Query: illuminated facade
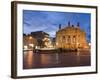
(29, 42)
(47, 42)
(71, 37)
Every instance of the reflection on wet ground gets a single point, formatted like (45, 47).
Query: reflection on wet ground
(69, 59)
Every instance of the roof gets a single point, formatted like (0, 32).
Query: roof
(70, 28)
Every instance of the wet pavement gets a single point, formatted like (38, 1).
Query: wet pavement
(48, 60)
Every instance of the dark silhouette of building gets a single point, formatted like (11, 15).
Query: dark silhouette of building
(39, 35)
(24, 34)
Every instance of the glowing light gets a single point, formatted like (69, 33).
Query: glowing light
(37, 47)
(25, 47)
(89, 44)
(77, 43)
(30, 37)
(56, 43)
(50, 46)
(32, 45)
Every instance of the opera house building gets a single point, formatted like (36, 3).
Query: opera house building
(71, 37)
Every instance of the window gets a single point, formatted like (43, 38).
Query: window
(68, 39)
(74, 39)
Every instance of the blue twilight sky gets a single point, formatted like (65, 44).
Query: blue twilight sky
(48, 21)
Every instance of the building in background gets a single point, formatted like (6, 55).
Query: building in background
(71, 37)
(40, 35)
(47, 42)
(29, 42)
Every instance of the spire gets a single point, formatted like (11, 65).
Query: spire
(69, 23)
(72, 25)
(59, 26)
(78, 24)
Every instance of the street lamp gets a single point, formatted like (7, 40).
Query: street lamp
(89, 44)
(30, 37)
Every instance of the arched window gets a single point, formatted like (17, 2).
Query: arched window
(63, 38)
(74, 39)
(68, 39)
